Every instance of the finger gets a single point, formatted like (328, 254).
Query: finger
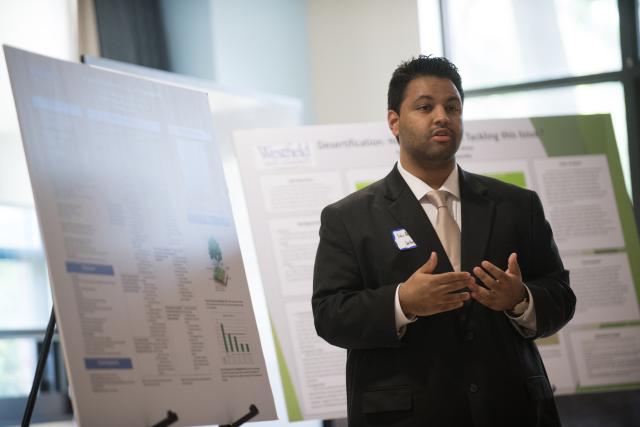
(514, 267)
(487, 279)
(452, 298)
(429, 266)
(450, 277)
(451, 306)
(482, 295)
(454, 286)
(496, 272)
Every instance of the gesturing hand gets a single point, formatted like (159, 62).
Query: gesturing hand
(505, 288)
(424, 293)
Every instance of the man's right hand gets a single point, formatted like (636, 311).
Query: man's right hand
(424, 293)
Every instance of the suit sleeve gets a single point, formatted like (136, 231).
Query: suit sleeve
(348, 313)
(549, 281)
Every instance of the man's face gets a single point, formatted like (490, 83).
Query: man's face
(429, 126)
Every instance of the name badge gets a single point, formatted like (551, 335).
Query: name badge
(403, 240)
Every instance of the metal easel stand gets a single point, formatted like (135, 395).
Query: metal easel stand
(253, 411)
(37, 379)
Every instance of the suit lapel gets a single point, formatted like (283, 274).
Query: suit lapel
(477, 220)
(407, 211)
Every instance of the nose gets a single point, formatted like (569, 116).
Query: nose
(440, 116)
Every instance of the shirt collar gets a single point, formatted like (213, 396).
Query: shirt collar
(419, 188)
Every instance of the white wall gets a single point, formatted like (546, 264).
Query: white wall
(354, 46)
(256, 45)
(263, 45)
(337, 56)
(189, 37)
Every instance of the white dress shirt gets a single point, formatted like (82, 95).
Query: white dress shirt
(526, 322)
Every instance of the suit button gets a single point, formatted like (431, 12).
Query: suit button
(469, 335)
(473, 388)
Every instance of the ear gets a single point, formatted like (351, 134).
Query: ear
(393, 119)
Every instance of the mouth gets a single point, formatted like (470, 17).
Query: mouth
(441, 135)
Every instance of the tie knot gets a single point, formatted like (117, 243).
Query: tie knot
(438, 197)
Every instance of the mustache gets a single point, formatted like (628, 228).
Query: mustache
(441, 130)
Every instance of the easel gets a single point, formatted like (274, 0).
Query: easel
(171, 417)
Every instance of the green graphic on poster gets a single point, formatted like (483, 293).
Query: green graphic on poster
(220, 271)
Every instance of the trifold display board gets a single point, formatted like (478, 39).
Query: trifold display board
(289, 175)
(148, 283)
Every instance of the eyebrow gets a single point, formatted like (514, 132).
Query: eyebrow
(430, 98)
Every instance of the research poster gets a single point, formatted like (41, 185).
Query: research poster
(148, 283)
(231, 110)
(289, 175)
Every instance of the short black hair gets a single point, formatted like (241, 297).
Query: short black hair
(422, 65)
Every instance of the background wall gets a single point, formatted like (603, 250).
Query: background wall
(355, 46)
(253, 45)
(189, 52)
(336, 56)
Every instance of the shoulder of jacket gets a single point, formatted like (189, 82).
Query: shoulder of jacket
(359, 198)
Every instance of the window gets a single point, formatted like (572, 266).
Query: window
(48, 27)
(506, 42)
(549, 57)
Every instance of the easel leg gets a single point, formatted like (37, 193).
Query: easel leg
(37, 379)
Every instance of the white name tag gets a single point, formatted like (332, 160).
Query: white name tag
(403, 240)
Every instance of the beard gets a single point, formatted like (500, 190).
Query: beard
(430, 152)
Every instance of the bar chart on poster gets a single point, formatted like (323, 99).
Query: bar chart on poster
(148, 283)
(289, 175)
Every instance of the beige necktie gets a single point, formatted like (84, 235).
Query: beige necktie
(446, 227)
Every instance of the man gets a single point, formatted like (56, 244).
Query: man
(438, 295)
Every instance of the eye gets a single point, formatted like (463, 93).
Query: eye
(452, 108)
(425, 107)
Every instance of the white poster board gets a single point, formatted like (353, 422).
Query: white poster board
(148, 283)
(289, 175)
(233, 110)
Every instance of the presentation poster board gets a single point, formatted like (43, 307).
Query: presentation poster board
(148, 284)
(233, 110)
(289, 175)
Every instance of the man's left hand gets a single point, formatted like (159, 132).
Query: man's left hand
(504, 289)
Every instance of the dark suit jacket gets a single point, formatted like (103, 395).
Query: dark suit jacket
(464, 367)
